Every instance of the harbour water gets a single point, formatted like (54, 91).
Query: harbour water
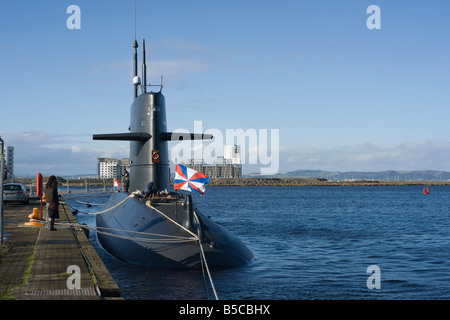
(309, 243)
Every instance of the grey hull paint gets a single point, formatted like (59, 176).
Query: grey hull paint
(149, 162)
(222, 249)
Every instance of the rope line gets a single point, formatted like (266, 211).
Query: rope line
(90, 204)
(109, 209)
(170, 238)
(203, 257)
(148, 204)
(173, 221)
(71, 196)
(133, 195)
(165, 238)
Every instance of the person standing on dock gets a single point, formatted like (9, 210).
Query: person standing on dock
(52, 200)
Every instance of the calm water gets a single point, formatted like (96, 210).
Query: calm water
(311, 243)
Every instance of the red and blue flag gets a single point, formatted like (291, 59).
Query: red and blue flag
(116, 184)
(189, 179)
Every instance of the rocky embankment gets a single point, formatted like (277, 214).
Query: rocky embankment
(314, 182)
(249, 182)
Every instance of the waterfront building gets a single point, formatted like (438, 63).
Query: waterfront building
(228, 166)
(108, 168)
(10, 163)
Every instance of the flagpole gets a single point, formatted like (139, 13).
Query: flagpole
(176, 204)
(176, 193)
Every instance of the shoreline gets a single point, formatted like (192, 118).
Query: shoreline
(251, 182)
(317, 182)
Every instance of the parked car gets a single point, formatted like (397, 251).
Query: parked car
(15, 192)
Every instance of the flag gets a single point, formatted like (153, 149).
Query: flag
(189, 179)
(116, 184)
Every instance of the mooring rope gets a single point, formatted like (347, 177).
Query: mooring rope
(90, 204)
(168, 238)
(71, 196)
(173, 221)
(203, 257)
(132, 195)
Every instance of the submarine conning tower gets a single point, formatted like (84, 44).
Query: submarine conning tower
(148, 136)
(149, 160)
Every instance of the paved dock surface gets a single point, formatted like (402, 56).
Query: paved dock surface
(39, 264)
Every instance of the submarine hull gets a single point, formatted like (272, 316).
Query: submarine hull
(139, 234)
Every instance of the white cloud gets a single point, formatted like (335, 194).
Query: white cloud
(76, 154)
(57, 154)
(76, 149)
(415, 155)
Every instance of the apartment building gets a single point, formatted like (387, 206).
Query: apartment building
(228, 166)
(111, 168)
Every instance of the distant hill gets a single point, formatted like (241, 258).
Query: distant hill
(389, 175)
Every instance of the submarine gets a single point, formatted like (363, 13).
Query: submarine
(163, 230)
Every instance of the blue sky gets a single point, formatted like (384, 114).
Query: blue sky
(343, 97)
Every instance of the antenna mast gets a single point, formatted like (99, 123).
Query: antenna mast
(136, 81)
(144, 69)
(134, 19)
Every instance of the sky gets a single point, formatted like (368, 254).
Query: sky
(342, 96)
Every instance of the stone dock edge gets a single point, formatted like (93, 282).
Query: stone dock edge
(101, 276)
(35, 263)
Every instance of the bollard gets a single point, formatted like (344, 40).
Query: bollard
(35, 214)
(34, 219)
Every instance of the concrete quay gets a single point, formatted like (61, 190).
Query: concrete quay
(39, 264)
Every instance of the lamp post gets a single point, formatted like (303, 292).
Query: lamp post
(1, 189)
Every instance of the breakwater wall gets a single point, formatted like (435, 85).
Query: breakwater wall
(248, 182)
